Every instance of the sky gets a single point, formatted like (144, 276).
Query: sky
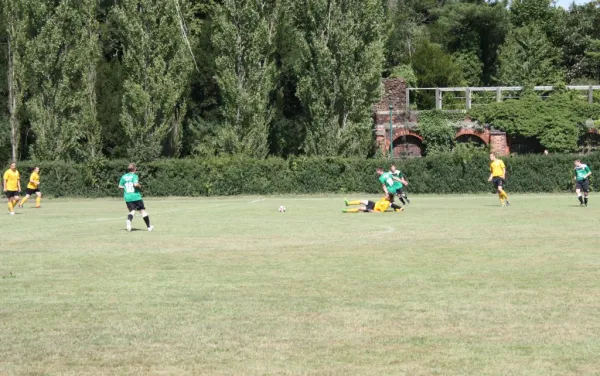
(565, 3)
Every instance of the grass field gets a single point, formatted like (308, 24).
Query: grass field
(455, 285)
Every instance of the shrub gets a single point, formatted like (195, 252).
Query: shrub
(459, 172)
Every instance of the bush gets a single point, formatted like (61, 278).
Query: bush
(464, 172)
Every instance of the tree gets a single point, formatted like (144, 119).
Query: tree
(528, 58)
(61, 62)
(14, 19)
(337, 60)
(581, 26)
(473, 32)
(156, 65)
(243, 42)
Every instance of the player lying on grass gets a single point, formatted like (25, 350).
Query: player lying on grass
(368, 206)
(133, 197)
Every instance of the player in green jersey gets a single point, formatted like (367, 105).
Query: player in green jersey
(133, 198)
(402, 193)
(391, 185)
(582, 182)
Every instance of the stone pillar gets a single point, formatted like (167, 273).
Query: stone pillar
(498, 143)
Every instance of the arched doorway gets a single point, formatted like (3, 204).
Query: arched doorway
(525, 145)
(408, 146)
(470, 139)
(589, 142)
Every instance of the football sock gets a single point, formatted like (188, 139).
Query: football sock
(402, 200)
(501, 197)
(585, 200)
(355, 202)
(355, 210)
(10, 206)
(147, 220)
(38, 201)
(580, 198)
(24, 200)
(504, 195)
(129, 217)
(394, 206)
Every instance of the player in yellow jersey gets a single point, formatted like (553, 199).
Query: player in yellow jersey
(497, 177)
(33, 188)
(368, 206)
(11, 182)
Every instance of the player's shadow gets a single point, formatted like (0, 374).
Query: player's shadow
(133, 229)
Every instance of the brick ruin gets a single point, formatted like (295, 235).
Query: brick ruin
(406, 140)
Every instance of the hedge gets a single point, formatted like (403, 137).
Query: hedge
(449, 173)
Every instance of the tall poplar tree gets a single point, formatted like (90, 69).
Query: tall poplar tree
(61, 68)
(156, 65)
(243, 42)
(338, 61)
(14, 20)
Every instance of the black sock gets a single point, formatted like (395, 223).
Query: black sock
(402, 200)
(147, 220)
(580, 199)
(395, 207)
(585, 200)
(130, 217)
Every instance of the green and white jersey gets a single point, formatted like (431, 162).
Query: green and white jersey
(132, 193)
(397, 174)
(581, 172)
(391, 184)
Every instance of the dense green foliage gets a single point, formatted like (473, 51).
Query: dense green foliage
(464, 171)
(146, 79)
(557, 123)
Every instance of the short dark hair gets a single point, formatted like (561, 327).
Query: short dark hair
(131, 167)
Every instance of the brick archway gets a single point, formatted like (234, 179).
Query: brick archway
(399, 132)
(408, 145)
(483, 135)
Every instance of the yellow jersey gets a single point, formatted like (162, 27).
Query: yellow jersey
(497, 168)
(12, 180)
(382, 205)
(35, 177)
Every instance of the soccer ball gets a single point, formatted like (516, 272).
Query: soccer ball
(282, 209)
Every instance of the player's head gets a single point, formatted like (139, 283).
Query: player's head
(379, 170)
(577, 163)
(13, 166)
(132, 167)
(393, 168)
(36, 169)
(492, 157)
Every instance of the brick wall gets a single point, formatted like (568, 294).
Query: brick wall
(498, 143)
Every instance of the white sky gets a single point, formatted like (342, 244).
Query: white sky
(566, 3)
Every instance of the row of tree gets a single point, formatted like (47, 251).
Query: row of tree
(85, 79)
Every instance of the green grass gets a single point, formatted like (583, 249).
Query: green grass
(455, 285)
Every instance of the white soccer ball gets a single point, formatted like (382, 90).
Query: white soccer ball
(282, 209)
